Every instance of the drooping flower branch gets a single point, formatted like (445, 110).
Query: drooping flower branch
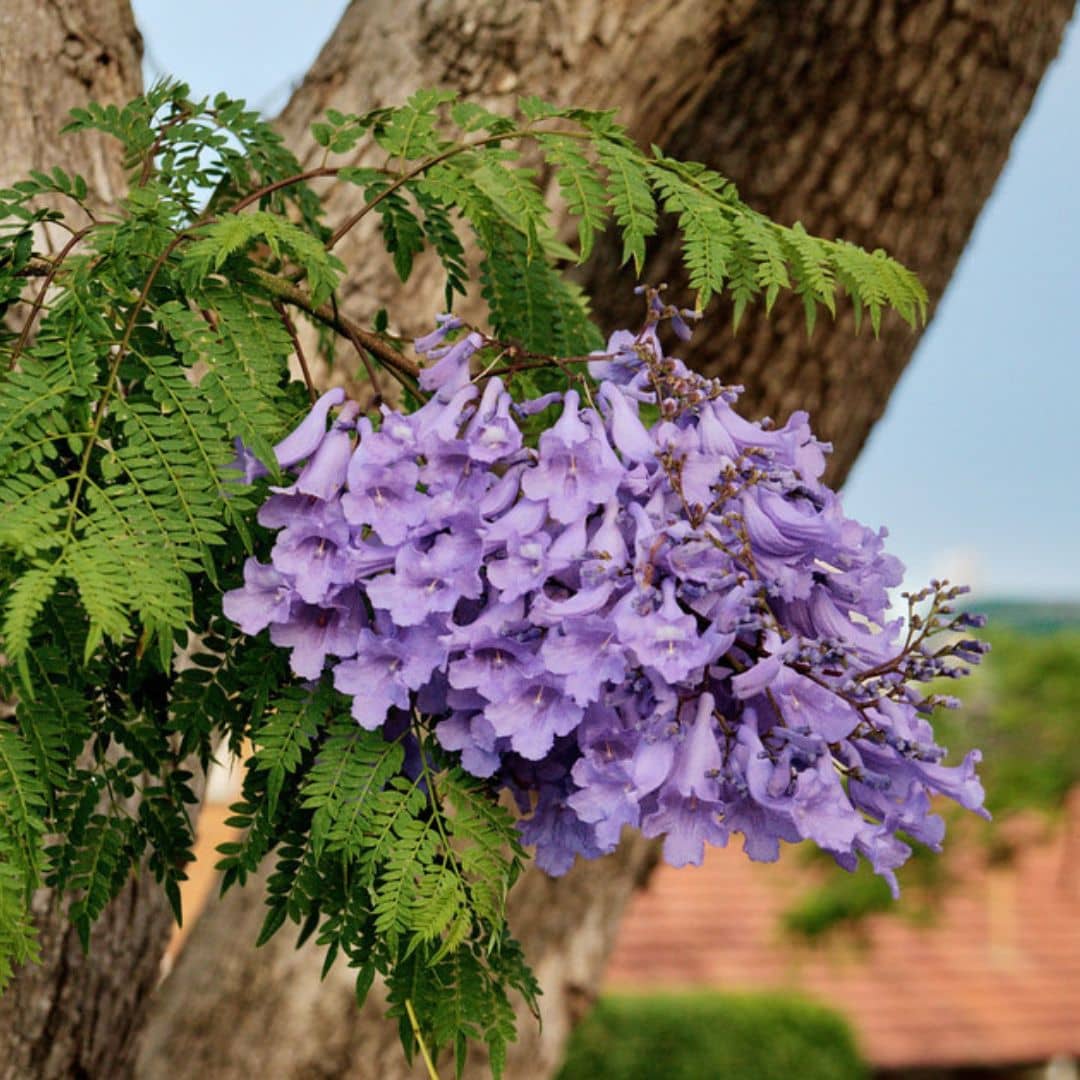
(656, 617)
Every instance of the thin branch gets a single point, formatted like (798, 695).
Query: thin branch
(147, 170)
(288, 181)
(437, 159)
(365, 359)
(382, 350)
(290, 328)
(432, 1071)
(111, 380)
(39, 300)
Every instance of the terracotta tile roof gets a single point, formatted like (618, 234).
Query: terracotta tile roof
(995, 979)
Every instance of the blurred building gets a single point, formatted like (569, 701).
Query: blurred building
(987, 985)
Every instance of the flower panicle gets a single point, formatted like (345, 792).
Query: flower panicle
(658, 617)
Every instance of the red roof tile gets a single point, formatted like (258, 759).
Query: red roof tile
(994, 979)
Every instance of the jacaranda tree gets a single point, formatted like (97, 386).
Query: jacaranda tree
(562, 568)
(297, 282)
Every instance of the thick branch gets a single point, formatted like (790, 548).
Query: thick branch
(653, 61)
(75, 1015)
(884, 123)
(57, 57)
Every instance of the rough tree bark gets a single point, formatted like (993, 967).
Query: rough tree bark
(57, 56)
(886, 122)
(74, 1016)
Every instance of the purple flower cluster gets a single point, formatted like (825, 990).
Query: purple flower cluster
(658, 617)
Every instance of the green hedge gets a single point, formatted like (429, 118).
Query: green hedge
(710, 1036)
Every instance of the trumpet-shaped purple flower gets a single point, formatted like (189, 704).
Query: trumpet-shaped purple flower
(314, 632)
(324, 474)
(450, 372)
(491, 434)
(496, 668)
(470, 734)
(687, 825)
(573, 474)
(429, 582)
(525, 568)
(606, 799)
(266, 597)
(587, 652)
(388, 665)
(314, 553)
(558, 834)
(669, 640)
(532, 714)
(246, 464)
(667, 625)
(627, 431)
(304, 441)
(698, 758)
(812, 798)
(386, 499)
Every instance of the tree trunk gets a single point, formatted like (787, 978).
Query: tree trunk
(886, 123)
(75, 1015)
(57, 56)
(653, 61)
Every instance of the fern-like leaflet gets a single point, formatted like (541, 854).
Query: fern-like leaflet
(152, 342)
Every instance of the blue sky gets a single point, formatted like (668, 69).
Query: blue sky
(977, 460)
(976, 466)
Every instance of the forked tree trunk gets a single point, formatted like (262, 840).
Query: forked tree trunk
(885, 122)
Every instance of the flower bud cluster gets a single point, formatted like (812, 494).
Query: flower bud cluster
(659, 617)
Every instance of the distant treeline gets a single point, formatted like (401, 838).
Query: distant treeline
(1031, 616)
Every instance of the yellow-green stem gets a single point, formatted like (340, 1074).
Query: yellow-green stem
(433, 1073)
